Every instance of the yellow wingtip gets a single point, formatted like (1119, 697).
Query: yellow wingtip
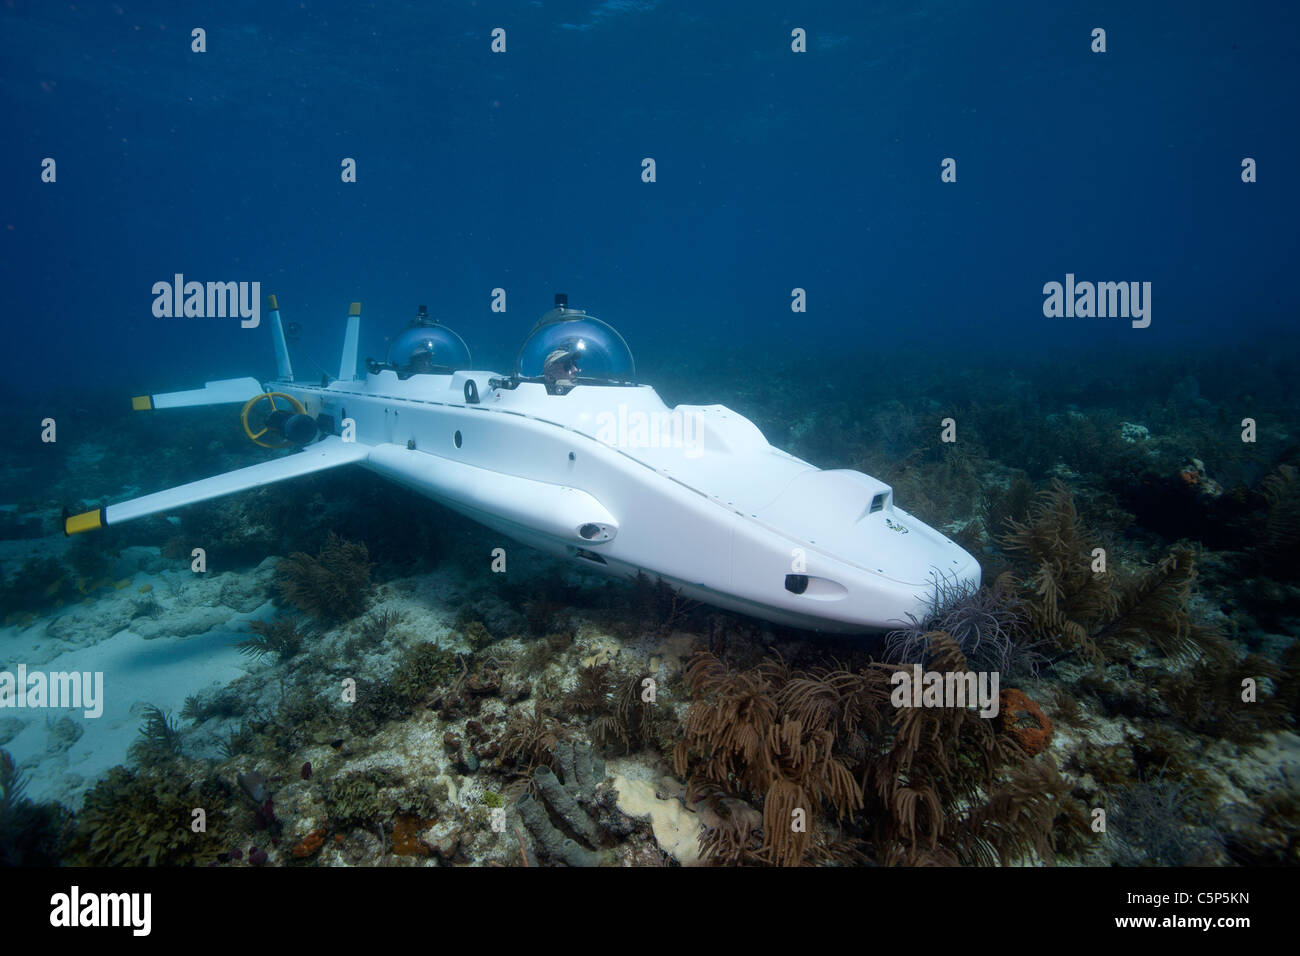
(86, 521)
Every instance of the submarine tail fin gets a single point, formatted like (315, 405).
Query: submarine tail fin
(330, 452)
(348, 363)
(283, 367)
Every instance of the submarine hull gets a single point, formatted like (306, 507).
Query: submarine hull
(739, 524)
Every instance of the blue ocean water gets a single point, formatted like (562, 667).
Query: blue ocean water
(521, 170)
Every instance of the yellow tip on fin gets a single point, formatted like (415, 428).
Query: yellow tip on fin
(355, 309)
(86, 521)
(142, 403)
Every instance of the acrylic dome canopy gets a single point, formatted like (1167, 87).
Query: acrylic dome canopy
(429, 348)
(601, 354)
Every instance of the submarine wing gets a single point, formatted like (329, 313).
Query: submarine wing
(331, 452)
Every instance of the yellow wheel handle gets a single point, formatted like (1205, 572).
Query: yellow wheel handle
(269, 397)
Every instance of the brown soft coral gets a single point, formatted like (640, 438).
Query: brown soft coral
(892, 785)
(333, 586)
(1102, 614)
(1024, 722)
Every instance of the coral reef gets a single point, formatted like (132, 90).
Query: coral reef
(771, 733)
(1096, 613)
(1151, 823)
(660, 607)
(989, 624)
(159, 741)
(144, 818)
(279, 637)
(1279, 544)
(1001, 506)
(405, 837)
(1207, 699)
(1266, 833)
(39, 585)
(1165, 687)
(423, 670)
(530, 739)
(1069, 600)
(309, 845)
(366, 798)
(333, 586)
(676, 828)
(31, 834)
(618, 711)
(732, 831)
(907, 785)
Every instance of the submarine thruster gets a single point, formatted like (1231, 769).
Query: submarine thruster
(569, 454)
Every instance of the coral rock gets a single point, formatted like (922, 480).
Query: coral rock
(253, 784)
(448, 845)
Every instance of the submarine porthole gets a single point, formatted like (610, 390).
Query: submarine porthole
(589, 531)
(796, 583)
(456, 439)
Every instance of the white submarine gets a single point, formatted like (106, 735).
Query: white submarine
(570, 455)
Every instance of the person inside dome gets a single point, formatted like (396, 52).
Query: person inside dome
(561, 368)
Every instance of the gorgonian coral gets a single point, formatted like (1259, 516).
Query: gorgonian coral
(333, 586)
(989, 624)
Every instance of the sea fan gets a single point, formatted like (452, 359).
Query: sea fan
(12, 784)
(333, 586)
(160, 738)
(1154, 823)
(279, 637)
(30, 833)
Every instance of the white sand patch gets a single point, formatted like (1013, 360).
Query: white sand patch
(184, 645)
(136, 673)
